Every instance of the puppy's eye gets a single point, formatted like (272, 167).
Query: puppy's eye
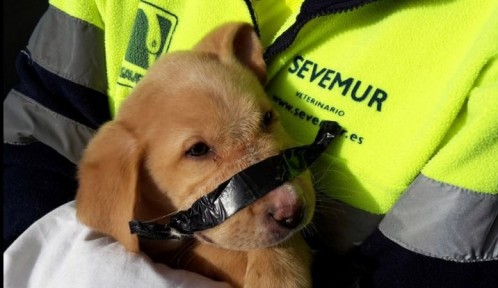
(267, 119)
(198, 149)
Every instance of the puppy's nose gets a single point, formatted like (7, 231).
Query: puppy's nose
(288, 216)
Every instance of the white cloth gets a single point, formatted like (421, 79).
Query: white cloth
(58, 251)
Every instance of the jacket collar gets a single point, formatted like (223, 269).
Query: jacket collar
(310, 9)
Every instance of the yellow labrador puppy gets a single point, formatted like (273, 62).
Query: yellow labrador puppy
(196, 119)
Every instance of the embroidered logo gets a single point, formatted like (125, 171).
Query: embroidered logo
(150, 37)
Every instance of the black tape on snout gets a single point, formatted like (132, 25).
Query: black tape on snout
(241, 190)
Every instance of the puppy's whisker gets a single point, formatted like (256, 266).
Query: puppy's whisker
(183, 251)
(322, 206)
(330, 170)
(318, 176)
(332, 199)
(160, 217)
(329, 213)
(331, 187)
(328, 206)
(337, 197)
(333, 192)
(309, 231)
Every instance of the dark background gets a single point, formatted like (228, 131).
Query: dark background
(19, 20)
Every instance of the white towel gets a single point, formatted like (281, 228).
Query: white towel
(58, 251)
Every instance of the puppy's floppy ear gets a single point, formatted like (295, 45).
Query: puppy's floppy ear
(239, 41)
(108, 173)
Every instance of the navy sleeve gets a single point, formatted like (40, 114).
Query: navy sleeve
(36, 180)
(381, 263)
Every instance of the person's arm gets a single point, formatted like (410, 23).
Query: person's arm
(443, 232)
(51, 114)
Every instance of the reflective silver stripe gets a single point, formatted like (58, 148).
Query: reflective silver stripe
(341, 226)
(443, 221)
(26, 121)
(70, 48)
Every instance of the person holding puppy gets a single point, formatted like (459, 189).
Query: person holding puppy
(411, 184)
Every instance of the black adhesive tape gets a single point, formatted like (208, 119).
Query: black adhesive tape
(241, 190)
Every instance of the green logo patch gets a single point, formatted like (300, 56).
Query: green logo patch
(150, 37)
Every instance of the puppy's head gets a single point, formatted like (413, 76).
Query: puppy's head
(196, 119)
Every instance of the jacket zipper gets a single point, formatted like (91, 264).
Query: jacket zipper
(310, 10)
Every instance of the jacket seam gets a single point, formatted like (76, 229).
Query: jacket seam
(461, 189)
(52, 113)
(474, 259)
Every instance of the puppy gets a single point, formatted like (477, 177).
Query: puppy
(197, 118)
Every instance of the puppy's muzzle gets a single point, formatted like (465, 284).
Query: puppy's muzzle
(241, 190)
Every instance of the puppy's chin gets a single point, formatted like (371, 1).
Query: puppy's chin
(267, 222)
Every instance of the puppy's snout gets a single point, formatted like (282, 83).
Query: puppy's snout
(288, 216)
(286, 209)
